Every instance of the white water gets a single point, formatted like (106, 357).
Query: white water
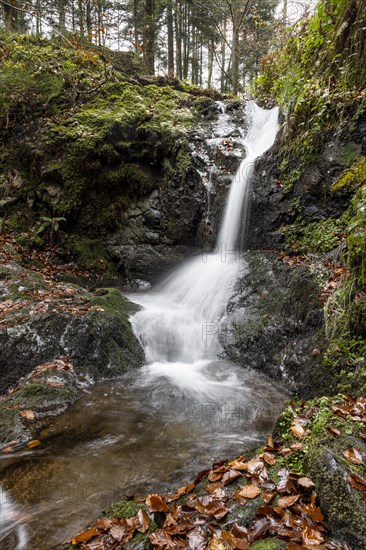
(180, 320)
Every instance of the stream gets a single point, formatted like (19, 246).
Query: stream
(154, 429)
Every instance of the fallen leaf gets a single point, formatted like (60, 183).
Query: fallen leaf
(144, 520)
(28, 415)
(156, 503)
(33, 444)
(357, 482)
(161, 539)
(267, 496)
(212, 487)
(354, 455)
(249, 491)
(85, 536)
(217, 544)
(197, 539)
(269, 458)
(103, 524)
(297, 430)
(230, 476)
(285, 502)
(310, 537)
(334, 431)
(305, 482)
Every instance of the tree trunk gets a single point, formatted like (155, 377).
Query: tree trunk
(61, 15)
(170, 37)
(10, 18)
(149, 37)
(89, 28)
(38, 19)
(178, 38)
(223, 56)
(136, 26)
(211, 51)
(186, 42)
(81, 17)
(235, 60)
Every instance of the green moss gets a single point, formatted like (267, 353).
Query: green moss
(10, 424)
(316, 237)
(352, 178)
(114, 302)
(91, 254)
(269, 544)
(124, 509)
(35, 395)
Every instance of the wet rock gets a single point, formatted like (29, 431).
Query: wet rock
(275, 322)
(272, 203)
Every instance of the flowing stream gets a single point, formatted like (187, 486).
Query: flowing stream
(152, 429)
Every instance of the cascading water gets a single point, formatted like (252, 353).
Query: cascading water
(179, 322)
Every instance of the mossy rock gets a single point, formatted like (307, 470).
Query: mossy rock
(344, 507)
(268, 544)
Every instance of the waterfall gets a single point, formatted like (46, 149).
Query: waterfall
(180, 320)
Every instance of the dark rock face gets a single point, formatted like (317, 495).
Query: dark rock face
(275, 323)
(272, 206)
(185, 207)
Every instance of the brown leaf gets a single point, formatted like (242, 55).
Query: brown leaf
(144, 520)
(211, 507)
(297, 430)
(354, 455)
(217, 544)
(85, 536)
(28, 415)
(305, 482)
(269, 458)
(249, 491)
(230, 476)
(259, 528)
(241, 535)
(33, 444)
(297, 446)
(197, 539)
(285, 502)
(161, 539)
(312, 511)
(267, 496)
(255, 465)
(214, 475)
(334, 431)
(103, 524)
(310, 537)
(212, 487)
(357, 482)
(239, 465)
(121, 532)
(156, 503)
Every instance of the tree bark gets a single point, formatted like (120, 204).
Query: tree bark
(178, 38)
(81, 17)
(10, 18)
(149, 37)
(170, 37)
(223, 56)
(61, 15)
(235, 60)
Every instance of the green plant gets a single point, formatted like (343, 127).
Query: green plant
(49, 227)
